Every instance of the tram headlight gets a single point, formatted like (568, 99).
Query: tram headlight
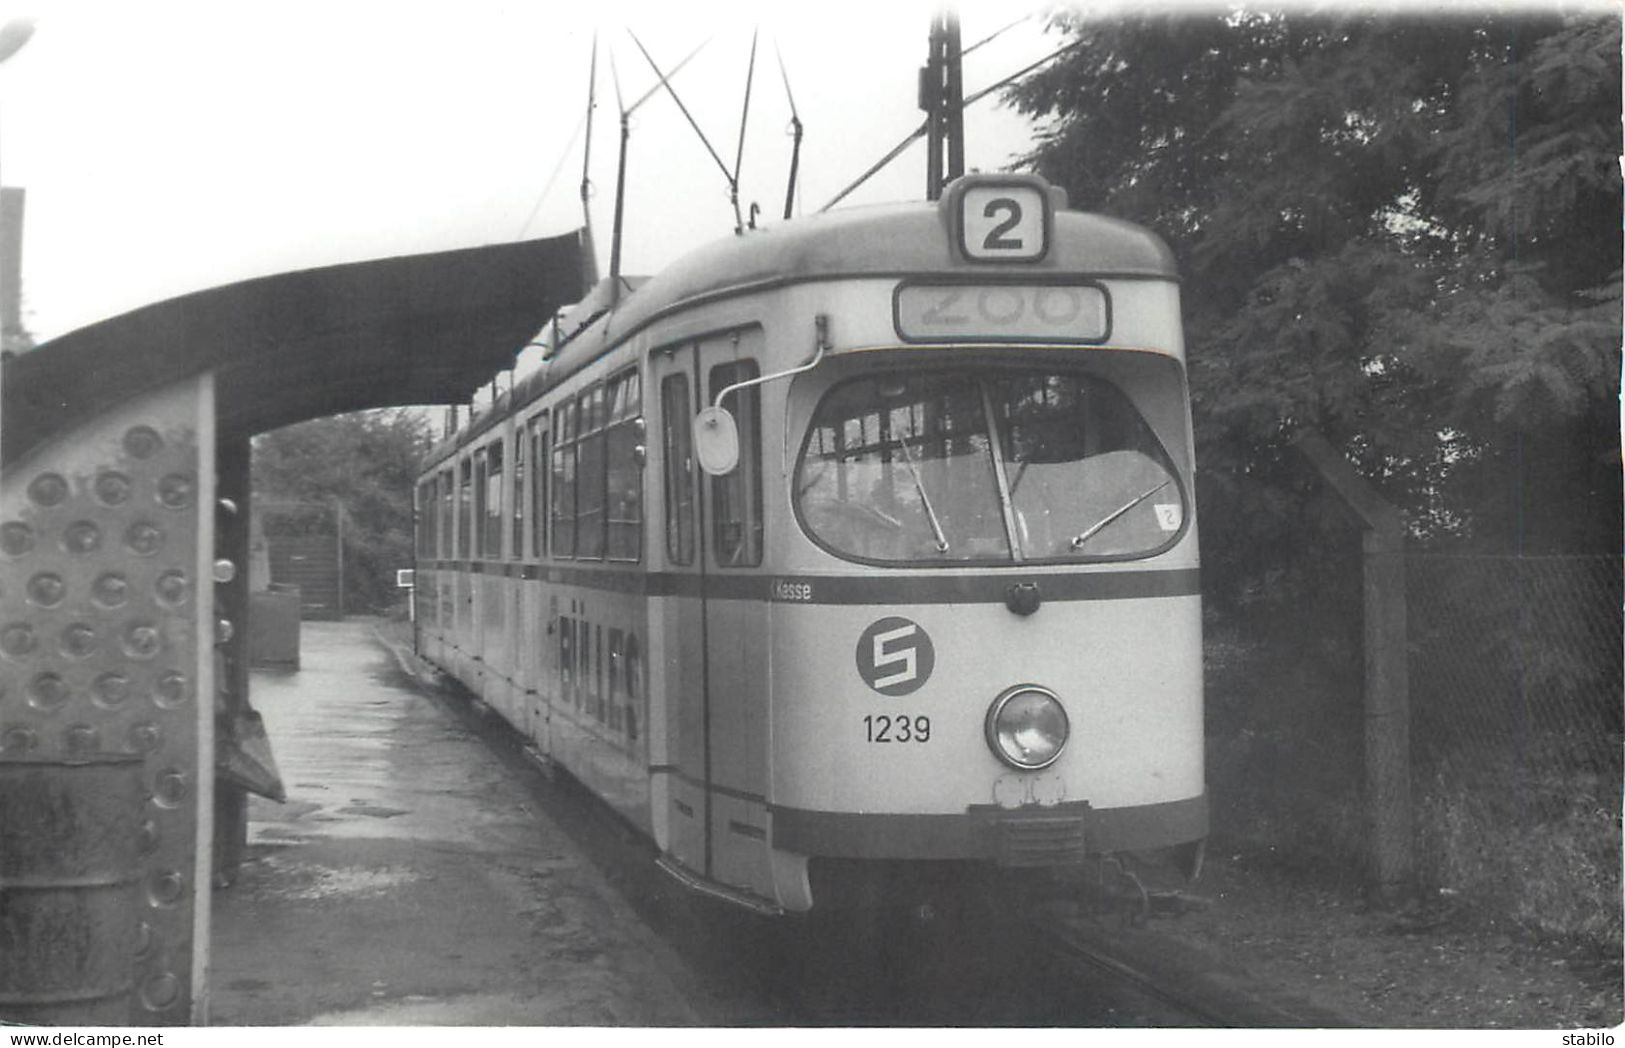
(1027, 727)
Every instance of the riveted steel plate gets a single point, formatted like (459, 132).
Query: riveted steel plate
(106, 649)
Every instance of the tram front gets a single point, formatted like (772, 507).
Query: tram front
(985, 633)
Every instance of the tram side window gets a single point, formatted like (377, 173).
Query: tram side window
(624, 470)
(678, 454)
(591, 482)
(476, 510)
(491, 541)
(465, 509)
(538, 485)
(564, 481)
(432, 514)
(425, 509)
(448, 514)
(737, 497)
(517, 550)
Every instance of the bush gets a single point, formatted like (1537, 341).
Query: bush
(1546, 855)
(368, 463)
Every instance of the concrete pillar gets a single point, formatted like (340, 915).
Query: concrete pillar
(1387, 687)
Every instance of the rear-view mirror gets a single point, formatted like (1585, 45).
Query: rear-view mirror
(716, 441)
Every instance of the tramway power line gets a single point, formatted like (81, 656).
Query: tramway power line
(942, 97)
(796, 131)
(924, 128)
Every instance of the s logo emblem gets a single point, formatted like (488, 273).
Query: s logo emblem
(895, 656)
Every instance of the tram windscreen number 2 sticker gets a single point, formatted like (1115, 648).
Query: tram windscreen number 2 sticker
(895, 656)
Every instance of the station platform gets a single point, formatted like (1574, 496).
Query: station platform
(411, 878)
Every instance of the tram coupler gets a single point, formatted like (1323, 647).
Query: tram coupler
(1118, 883)
(1117, 889)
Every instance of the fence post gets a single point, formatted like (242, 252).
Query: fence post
(1387, 685)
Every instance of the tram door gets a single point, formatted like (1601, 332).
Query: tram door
(711, 623)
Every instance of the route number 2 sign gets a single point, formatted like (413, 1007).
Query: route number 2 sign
(1003, 223)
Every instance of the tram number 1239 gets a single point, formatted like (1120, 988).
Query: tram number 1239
(885, 728)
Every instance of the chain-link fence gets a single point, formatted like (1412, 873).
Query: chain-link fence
(1515, 688)
(1516, 734)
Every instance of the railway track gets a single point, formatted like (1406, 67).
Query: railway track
(1202, 1010)
(1093, 967)
(1209, 991)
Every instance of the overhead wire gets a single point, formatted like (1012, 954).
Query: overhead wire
(665, 81)
(739, 154)
(558, 168)
(785, 74)
(626, 134)
(750, 77)
(920, 131)
(620, 182)
(796, 129)
(896, 151)
(615, 78)
(1024, 70)
(998, 33)
(589, 242)
(678, 68)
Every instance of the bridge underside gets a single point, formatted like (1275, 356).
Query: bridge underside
(420, 329)
(123, 667)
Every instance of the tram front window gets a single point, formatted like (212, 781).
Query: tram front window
(984, 465)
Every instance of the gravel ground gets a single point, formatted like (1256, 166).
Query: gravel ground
(1429, 967)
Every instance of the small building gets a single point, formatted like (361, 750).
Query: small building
(305, 548)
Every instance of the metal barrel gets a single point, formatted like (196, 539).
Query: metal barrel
(69, 866)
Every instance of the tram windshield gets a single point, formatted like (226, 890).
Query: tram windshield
(985, 465)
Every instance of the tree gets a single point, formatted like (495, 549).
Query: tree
(368, 462)
(1404, 232)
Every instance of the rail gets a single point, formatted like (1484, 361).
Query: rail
(1212, 992)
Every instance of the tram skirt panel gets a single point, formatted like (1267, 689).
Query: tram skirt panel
(106, 717)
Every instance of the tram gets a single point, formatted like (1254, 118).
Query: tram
(864, 542)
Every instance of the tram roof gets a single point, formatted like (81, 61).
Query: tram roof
(881, 240)
(895, 239)
(887, 240)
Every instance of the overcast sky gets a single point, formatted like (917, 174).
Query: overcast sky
(167, 147)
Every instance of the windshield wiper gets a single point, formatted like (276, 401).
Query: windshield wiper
(925, 500)
(1095, 528)
(1021, 471)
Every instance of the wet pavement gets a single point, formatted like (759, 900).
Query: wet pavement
(410, 878)
(424, 872)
